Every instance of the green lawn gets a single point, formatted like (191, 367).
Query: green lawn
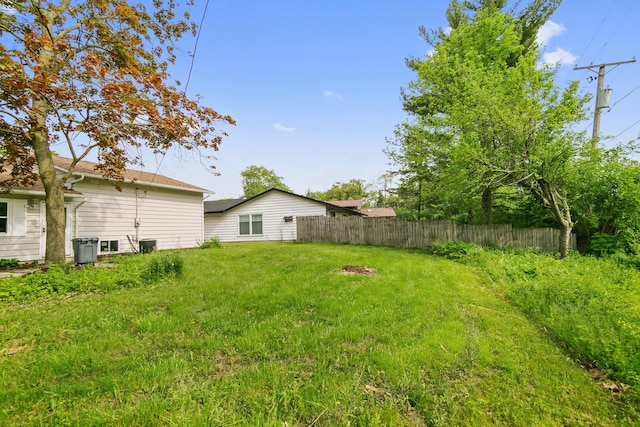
(275, 334)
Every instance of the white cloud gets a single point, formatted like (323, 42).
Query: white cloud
(330, 93)
(549, 30)
(282, 128)
(559, 56)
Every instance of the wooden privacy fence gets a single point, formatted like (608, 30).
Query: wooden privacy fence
(401, 233)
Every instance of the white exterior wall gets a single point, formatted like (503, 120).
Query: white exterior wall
(24, 244)
(173, 218)
(273, 207)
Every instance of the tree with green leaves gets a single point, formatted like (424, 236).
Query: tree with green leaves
(258, 179)
(420, 103)
(95, 68)
(605, 193)
(355, 189)
(501, 125)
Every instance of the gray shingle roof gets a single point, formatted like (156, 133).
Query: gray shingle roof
(217, 206)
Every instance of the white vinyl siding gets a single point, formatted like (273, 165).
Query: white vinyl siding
(22, 239)
(273, 206)
(173, 218)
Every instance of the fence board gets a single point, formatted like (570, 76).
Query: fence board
(398, 232)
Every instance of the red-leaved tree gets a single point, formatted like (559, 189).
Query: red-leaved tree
(97, 68)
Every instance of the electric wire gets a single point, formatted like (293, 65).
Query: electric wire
(632, 125)
(195, 47)
(186, 86)
(597, 31)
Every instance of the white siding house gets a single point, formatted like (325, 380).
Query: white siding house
(149, 206)
(268, 216)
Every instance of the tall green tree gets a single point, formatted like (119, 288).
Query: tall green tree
(420, 103)
(502, 125)
(605, 193)
(95, 68)
(355, 189)
(258, 179)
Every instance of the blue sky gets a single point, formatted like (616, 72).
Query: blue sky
(315, 85)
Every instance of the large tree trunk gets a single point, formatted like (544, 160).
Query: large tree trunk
(565, 238)
(557, 203)
(54, 197)
(39, 135)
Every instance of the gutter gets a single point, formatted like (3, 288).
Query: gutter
(69, 185)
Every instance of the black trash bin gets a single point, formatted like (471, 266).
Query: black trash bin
(147, 245)
(85, 250)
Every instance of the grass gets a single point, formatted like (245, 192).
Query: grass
(275, 334)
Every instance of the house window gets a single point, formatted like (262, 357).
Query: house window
(4, 217)
(13, 217)
(250, 224)
(108, 246)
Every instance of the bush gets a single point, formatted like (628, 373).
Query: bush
(602, 244)
(63, 279)
(163, 265)
(452, 249)
(9, 263)
(212, 242)
(591, 304)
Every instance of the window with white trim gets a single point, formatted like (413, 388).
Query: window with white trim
(4, 217)
(109, 246)
(250, 224)
(13, 217)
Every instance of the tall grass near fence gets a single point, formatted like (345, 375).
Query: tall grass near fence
(590, 305)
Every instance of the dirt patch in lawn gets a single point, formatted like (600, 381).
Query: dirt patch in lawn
(357, 269)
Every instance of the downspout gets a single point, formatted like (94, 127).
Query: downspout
(136, 221)
(75, 213)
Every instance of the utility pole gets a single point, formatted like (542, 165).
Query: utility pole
(602, 94)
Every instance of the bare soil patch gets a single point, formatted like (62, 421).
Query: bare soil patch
(357, 269)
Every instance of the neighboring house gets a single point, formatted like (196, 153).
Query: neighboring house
(270, 215)
(378, 212)
(150, 206)
(356, 205)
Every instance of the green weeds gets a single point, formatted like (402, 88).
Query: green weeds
(65, 279)
(590, 305)
(212, 242)
(276, 334)
(9, 263)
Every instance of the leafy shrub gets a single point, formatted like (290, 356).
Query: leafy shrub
(452, 249)
(162, 265)
(591, 304)
(212, 242)
(64, 279)
(602, 244)
(9, 263)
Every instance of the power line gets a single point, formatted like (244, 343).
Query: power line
(635, 123)
(195, 47)
(601, 101)
(597, 31)
(629, 93)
